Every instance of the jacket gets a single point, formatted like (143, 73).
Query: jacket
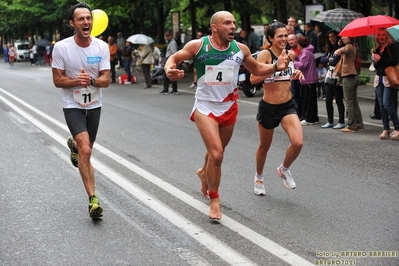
(389, 57)
(307, 64)
(348, 54)
(113, 51)
(145, 53)
(127, 53)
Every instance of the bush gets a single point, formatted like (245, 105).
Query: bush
(364, 78)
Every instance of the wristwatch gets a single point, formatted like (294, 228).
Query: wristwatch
(92, 81)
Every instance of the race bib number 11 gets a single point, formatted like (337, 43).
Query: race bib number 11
(219, 75)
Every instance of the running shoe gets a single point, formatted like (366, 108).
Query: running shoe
(95, 210)
(259, 187)
(74, 152)
(286, 176)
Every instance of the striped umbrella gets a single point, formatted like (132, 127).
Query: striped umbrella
(337, 17)
(394, 31)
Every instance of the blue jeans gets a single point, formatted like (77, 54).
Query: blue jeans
(126, 64)
(386, 99)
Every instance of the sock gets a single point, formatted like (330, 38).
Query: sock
(259, 177)
(283, 168)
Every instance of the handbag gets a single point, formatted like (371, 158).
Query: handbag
(371, 67)
(338, 67)
(330, 77)
(392, 73)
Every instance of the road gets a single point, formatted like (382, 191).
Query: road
(344, 210)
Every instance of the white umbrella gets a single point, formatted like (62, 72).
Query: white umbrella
(140, 39)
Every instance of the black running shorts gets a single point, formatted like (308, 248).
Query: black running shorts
(81, 120)
(270, 115)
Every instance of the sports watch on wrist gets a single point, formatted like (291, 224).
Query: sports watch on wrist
(92, 81)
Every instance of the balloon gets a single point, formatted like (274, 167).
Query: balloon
(100, 22)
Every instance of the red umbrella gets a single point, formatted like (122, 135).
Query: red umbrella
(368, 25)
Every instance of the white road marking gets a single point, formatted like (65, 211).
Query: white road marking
(214, 245)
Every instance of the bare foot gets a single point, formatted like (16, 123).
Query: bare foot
(214, 211)
(204, 183)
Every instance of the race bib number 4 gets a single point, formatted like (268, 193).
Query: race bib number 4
(85, 96)
(219, 75)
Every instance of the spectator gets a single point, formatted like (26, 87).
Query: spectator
(156, 53)
(322, 39)
(333, 88)
(307, 64)
(120, 42)
(127, 61)
(312, 37)
(5, 51)
(146, 59)
(253, 41)
(178, 40)
(32, 54)
(386, 54)
(349, 83)
(242, 37)
(295, 84)
(113, 52)
(170, 50)
(41, 50)
(294, 22)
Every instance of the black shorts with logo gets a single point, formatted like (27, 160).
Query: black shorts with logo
(270, 115)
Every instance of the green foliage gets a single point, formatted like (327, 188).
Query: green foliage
(21, 18)
(364, 78)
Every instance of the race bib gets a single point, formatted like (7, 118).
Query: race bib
(219, 75)
(85, 96)
(285, 74)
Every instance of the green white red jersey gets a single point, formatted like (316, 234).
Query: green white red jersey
(217, 71)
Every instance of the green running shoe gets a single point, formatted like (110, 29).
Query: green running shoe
(95, 210)
(74, 152)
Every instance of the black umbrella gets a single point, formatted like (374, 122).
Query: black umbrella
(42, 42)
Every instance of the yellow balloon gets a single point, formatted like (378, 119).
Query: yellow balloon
(100, 22)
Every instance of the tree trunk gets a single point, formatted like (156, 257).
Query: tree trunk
(193, 20)
(161, 24)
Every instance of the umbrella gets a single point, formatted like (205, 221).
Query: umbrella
(318, 55)
(140, 39)
(42, 42)
(394, 31)
(368, 25)
(336, 18)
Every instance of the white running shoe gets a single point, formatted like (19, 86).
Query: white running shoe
(193, 86)
(286, 176)
(259, 187)
(306, 123)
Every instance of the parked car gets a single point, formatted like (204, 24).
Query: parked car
(22, 49)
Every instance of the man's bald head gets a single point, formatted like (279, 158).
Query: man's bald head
(215, 17)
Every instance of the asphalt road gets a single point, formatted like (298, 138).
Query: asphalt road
(344, 210)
